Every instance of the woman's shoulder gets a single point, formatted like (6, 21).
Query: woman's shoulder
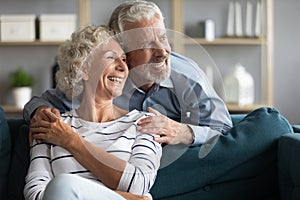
(70, 117)
(69, 114)
(136, 114)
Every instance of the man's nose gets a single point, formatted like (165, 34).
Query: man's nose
(159, 50)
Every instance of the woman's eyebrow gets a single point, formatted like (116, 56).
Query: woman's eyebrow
(115, 52)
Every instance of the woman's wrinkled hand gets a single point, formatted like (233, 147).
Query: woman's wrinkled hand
(39, 115)
(53, 130)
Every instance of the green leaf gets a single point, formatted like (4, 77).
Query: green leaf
(20, 78)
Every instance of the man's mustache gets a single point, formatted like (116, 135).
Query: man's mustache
(158, 59)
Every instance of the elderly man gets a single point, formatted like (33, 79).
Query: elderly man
(187, 111)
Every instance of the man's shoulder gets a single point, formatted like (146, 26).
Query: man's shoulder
(177, 58)
(186, 66)
(53, 94)
(187, 76)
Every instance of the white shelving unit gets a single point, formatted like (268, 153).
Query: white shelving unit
(177, 23)
(265, 43)
(83, 19)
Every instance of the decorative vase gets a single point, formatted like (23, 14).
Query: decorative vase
(21, 96)
(239, 87)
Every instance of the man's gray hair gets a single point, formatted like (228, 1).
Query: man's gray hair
(133, 11)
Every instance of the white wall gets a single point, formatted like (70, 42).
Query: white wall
(287, 59)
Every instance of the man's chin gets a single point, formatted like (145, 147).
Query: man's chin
(158, 78)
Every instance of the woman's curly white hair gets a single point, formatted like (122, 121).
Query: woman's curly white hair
(75, 57)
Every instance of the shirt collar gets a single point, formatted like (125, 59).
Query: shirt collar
(129, 86)
(167, 83)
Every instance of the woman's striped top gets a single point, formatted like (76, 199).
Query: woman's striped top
(119, 137)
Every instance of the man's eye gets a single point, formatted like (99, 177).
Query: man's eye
(164, 38)
(146, 45)
(110, 57)
(124, 59)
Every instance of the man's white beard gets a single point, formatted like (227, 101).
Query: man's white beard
(157, 78)
(142, 75)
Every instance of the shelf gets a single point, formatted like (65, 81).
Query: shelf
(29, 43)
(83, 12)
(236, 109)
(264, 45)
(11, 111)
(227, 41)
(11, 108)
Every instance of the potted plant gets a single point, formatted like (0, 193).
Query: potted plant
(21, 83)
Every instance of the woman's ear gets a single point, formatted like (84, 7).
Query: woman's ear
(85, 74)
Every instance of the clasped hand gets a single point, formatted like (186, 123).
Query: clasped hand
(46, 126)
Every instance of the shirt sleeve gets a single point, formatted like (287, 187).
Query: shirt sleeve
(39, 173)
(202, 109)
(141, 169)
(208, 116)
(52, 98)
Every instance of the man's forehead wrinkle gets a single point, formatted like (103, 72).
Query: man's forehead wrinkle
(139, 38)
(145, 31)
(154, 33)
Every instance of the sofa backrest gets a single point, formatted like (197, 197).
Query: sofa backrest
(14, 133)
(5, 146)
(19, 160)
(249, 150)
(14, 161)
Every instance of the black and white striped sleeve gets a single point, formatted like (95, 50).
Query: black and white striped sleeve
(39, 172)
(141, 169)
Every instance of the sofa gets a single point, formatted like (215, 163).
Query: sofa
(257, 159)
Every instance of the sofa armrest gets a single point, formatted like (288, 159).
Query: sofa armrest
(288, 166)
(5, 153)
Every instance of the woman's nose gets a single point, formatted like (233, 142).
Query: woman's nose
(121, 64)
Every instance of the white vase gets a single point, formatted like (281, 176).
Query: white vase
(239, 87)
(21, 96)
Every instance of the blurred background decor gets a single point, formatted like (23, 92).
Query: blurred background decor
(21, 83)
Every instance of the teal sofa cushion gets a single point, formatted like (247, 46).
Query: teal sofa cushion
(247, 152)
(5, 146)
(20, 159)
(242, 165)
(289, 166)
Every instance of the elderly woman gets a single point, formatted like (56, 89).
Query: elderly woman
(94, 150)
